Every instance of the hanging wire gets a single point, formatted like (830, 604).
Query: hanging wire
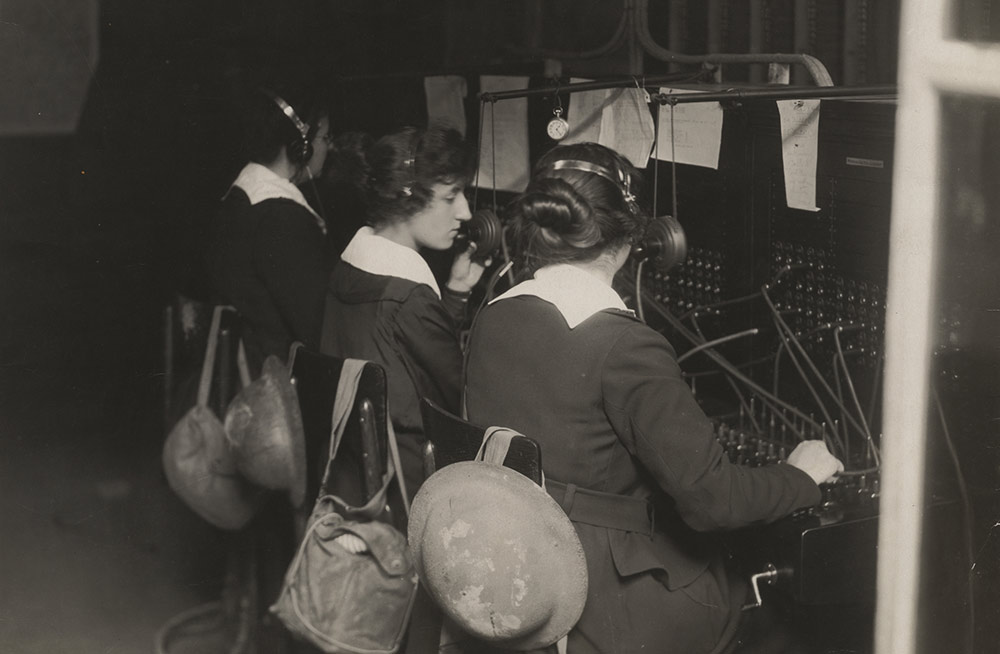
(854, 396)
(724, 363)
(493, 155)
(835, 365)
(748, 409)
(718, 341)
(638, 292)
(479, 152)
(673, 164)
(783, 328)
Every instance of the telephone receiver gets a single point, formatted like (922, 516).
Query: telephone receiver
(483, 229)
(664, 245)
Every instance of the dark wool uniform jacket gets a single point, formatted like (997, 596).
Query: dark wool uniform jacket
(413, 334)
(607, 403)
(269, 261)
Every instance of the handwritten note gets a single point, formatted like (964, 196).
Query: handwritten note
(691, 133)
(616, 118)
(585, 114)
(507, 122)
(445, 100)
(627, 125)
(799, 146)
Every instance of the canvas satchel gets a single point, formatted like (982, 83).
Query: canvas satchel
(197, 458)
(351, 585)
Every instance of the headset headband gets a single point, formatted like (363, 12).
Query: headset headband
(623, 179)
(294, 117)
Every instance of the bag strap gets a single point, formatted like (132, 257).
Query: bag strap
(208, 364)
(241, 363)
(347, 388)
(496, 444)
(292, 351)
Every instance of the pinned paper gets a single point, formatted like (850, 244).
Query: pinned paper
(506, 121)
(446, 100)
(615, 118)
(799, 145)
(627, 125)
(586, 109)
(691, 132)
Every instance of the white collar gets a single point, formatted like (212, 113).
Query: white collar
(576, 293)
(261, 183)
(379, 256)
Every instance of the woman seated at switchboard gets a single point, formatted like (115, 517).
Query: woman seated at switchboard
(383, 302)
(626, 449)
(267, 246)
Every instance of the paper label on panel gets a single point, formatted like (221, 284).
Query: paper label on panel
(506, 121)
(627, 125)
(690, 132)
(799, 149)
(586, 109)
(446, 100)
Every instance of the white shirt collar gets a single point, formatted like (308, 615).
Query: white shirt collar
(261, 183)
(576, 293)
(379, 256)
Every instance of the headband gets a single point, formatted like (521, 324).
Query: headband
(294, 117)
(623, 179)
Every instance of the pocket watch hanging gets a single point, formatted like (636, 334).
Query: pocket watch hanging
(557, 127)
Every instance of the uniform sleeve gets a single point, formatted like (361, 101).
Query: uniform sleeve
(429, 336)
(290, 257)
(660, 423)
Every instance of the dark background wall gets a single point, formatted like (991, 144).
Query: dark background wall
(100, 225)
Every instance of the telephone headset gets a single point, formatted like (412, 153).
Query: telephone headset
(300, 150)
(664, 244)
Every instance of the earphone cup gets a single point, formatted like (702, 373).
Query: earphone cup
(300, 151)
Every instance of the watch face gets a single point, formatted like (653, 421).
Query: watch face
(557, 128)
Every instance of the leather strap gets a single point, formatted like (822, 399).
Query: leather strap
(347, 388)
(208, 363)
(602, 509)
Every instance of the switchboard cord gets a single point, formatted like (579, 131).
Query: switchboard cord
(718, 341)
(835, 366)
(772, 401)
(638, 291)
(854, 397)
(747, 409)
(782, 325)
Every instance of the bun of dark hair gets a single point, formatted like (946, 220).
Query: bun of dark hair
(562, 216)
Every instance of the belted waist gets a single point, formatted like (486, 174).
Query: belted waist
(602, 509)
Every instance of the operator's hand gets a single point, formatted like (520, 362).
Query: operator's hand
(812, 458)
(465, 272)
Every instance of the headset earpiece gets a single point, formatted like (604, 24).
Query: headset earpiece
(664, 245)
(300, 150)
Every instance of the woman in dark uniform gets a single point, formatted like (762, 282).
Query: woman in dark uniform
(626, 449)
(267, 247)
(383, 302)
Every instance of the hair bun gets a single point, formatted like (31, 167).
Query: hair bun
(560, 212)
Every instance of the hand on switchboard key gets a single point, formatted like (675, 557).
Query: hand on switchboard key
(812, 458)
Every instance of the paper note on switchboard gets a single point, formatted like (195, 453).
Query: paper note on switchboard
(799, 146)
(691, 132)
(586, 110)
(446, 100)
(627, 125)
(505, 137)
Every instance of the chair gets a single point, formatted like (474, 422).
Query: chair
(361, 459)
(452, 439)
(273, 537)
(185, 336)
